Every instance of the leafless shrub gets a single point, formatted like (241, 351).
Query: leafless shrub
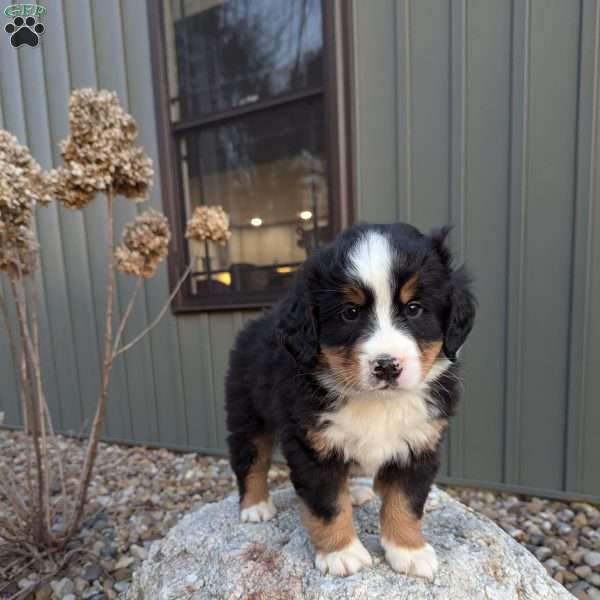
(101, 157)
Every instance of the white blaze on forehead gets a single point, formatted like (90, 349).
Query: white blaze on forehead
(372, 261)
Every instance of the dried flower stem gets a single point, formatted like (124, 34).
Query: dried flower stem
(119, 334)
(92, 447)
(158, 318)
(34, 375)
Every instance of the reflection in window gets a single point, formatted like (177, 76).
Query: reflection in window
(245, 85)
(237, 52)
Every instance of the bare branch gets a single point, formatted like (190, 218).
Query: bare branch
(121, 329)
(158, 318)
(92, 447)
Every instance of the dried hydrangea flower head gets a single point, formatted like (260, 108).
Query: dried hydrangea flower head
(101, 151)
(208, 223)
(23, 184)
(145, 245)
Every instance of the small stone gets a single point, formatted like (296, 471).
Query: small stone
(542, 553)
(569, 576)
(121, 586)
(594, 579)
(92, 572)
(121, 574)
(552, 565)
(70, 597)
(594, 593)
(124, 562)
(563, 528)
(583, 571)
(44, 593)
(62, 588)
(580, 520)
(592, 559)
(138, 552)
(535, 506)
(580, 595)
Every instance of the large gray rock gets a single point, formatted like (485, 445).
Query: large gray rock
(210, 554)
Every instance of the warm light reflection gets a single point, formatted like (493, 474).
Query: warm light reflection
(224, 277)
(306, 215)
(256, 222)
(284, 270)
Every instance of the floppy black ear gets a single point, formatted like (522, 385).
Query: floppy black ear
(461, 314)
(297, 329)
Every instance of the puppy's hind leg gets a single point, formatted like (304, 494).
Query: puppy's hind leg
(250, 461)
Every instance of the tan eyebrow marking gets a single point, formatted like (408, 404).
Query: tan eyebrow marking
(355, 295)
(408, 289)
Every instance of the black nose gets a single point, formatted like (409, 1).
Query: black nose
(386, 368)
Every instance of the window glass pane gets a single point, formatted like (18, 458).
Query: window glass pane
(229, 53)
(268, 171)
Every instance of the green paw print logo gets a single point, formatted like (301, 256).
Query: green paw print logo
(25, 28)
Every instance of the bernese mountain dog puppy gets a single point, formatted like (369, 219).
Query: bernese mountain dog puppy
(353, 372)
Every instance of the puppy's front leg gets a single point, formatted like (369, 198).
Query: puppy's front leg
(327, 512)
(403, 492)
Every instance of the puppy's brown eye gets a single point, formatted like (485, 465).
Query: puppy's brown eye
(351, 313)
(413, 310)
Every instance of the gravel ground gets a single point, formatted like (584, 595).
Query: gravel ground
(139, 493)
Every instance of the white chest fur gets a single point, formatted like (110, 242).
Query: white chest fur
(374, 428)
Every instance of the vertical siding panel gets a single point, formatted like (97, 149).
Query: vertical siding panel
(71, 225)
(404, 100)
(589, 450)
(580, 333)
(553, 88)
(519, 148)
(112, 75)
(82, 62)
(376, 162)
(430, 89)
(11, 92)
(9, 394)
(488, 37)
(196, 359)
(165, 357)
(458, 169)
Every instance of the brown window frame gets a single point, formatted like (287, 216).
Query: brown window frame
(339, 151)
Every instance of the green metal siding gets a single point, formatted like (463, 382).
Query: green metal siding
(482, 113)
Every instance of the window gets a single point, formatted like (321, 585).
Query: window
(246, 90)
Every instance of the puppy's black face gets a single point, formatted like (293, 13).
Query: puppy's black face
(385, 309)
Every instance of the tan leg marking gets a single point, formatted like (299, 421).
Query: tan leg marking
(334, 534)
(256, 480)
(398, 522)
(338, 549)
(405, 548)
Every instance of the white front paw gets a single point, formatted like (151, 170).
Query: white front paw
(347, 561)
(263, 511)
(361, 494)
(421, 562)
